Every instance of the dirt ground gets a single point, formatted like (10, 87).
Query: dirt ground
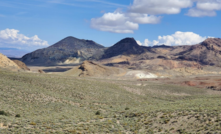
(210, 82)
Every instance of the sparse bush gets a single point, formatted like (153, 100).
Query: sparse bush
(127, 108)
(18, 115)
(3, 113)
(33, 123)
(98, 113)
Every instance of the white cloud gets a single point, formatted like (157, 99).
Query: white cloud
(159, 6)
(205, 8)
(145, 11)
(139, 43)
(176, 39)
(114, 22)
(143, 18)
(200, 13)
(209, 5)
(119, 22)
(12, 38)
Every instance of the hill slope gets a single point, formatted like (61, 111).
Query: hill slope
(127, 46)
(6, 63)
(92, 69)
(62, 104)
(68, 50)
(164, 57)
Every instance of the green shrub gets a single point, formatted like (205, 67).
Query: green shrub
(18, 115)
(98, 113)
(127, 108)
(3, 113)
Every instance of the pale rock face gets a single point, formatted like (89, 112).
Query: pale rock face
(7, 63)
(141, 75)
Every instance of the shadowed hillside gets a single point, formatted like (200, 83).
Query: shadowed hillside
(69, 50)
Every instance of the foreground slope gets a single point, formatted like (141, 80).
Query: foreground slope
(6, 63)
(67, 51)
(45, 103)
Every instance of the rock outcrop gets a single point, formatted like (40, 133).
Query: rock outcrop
(92, 69)
(6, 63)
(21, 65)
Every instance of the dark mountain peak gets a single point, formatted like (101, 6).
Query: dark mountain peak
(75, 43)
(127, 46)
(70, 37)
(66, 50)
(161, 46)
(129, 42)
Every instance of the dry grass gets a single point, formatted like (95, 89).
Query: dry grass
(63, 104)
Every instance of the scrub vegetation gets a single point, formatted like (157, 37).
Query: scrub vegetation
(43, 103)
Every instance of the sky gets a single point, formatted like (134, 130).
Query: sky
(27, 25)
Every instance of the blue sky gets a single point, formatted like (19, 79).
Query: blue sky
(28, 25)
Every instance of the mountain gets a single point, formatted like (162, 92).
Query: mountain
(69, 50)
(127, 46)
(127, 53)
(207, 53)
(13, 52)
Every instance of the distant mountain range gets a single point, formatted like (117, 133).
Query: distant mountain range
(72, 50)
(13, 52)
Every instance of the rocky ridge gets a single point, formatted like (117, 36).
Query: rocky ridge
(89, 68)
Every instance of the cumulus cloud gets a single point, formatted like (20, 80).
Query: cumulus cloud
(176, 39)
(154, 7)
(12, 38)
(159, 6)
(139, 43)
(209, 5)
(119, 22)
(146, 11)
(114, 22)
(205, 8)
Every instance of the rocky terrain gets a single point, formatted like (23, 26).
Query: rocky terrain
(126, 54)
(163, 57)
(67, 51)
(6, 63)
(92, 69)
(72, 50)
(21, 65)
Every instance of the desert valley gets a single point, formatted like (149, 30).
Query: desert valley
(79, 86)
